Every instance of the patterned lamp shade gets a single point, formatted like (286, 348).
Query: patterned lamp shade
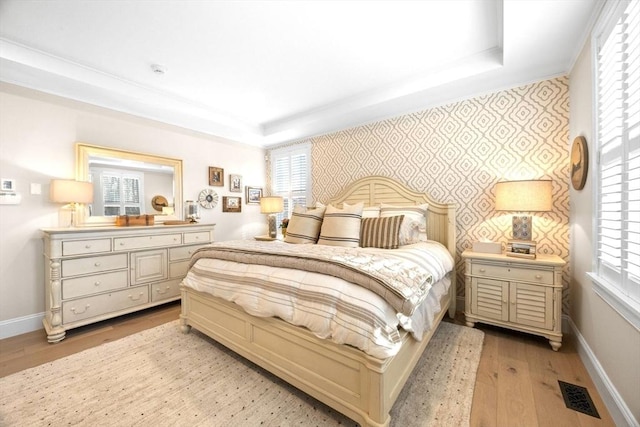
(523, 196)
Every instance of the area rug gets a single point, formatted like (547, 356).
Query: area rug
(161, 377)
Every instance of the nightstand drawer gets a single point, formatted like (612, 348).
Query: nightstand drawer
(512, 273)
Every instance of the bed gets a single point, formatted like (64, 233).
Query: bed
(347, 379)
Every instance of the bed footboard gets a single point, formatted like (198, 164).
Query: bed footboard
(346, 379)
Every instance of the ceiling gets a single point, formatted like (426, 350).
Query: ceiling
(267, 72)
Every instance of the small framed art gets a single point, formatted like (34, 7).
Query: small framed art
(216, 177)
(231, 204)
(235, 183)
(253, 195)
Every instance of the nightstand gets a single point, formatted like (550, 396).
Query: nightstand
(515, 293)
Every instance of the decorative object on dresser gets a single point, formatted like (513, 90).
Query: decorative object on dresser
(92, 274)
(72, 193)
(131, 220)
(191, 211)
(520, 294)
(270, 206)
(159, 203)
(523, 196)
(579, 162)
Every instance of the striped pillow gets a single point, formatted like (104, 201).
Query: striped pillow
(381, 233)
(304, 225)
(414, 225)
(341, 227)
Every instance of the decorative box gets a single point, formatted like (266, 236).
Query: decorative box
(129, 220)
(487, 247)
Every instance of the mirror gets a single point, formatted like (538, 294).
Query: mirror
(130, 184)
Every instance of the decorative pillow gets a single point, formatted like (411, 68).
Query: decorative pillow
(341, 227)
(414, 225)
(371, 212)
(304, 225)
(381, 233)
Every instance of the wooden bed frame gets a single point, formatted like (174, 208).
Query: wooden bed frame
(348, 380)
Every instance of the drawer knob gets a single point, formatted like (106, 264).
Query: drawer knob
(97, 264)
(538, 276)
(87, 246)
(160, 291)
(73, 310)
(135, 299)
(97, 283)
(121, 243)
(482, 270)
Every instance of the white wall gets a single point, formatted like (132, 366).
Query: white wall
(37, 143)
(611, 342)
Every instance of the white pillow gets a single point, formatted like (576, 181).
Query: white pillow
(371, 212)
(341, 227)
(304, 225)
(414, 224)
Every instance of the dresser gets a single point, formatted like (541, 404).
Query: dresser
(95, 273)
(515, 293)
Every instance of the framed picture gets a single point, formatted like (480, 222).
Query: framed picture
(231, 204)
(216, 177)
(253, 195)
(235, 183)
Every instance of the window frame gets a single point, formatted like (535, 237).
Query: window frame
(615, 295)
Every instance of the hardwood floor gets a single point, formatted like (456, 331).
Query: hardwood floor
(516, 385)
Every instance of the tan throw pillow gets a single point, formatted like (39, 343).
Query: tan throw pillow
(304, 225)
(341, 227)
(381, 233)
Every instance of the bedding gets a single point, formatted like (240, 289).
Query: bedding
(329, 306)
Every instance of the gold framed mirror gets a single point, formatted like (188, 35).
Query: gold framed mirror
(128, 183)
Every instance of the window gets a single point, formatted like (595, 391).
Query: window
(291, 176)
(617, 175)
(120, 193)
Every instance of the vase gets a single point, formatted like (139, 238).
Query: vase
(284, 232)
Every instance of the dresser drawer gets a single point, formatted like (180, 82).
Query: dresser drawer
(81, 247)
(127, 243)
(200, 237)
(98, 305)
(512, 273)
(96, 264)
(89, 285)
(165, 290)
(178, 269)
(183, 252)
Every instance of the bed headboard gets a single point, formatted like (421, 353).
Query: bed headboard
(373, 190)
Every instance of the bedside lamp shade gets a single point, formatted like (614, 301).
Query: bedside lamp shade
(523, 196)
(69, 191)
(271, 205)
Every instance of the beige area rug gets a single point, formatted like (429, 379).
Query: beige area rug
(161, 377)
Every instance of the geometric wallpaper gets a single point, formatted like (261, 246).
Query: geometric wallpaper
(457, 152)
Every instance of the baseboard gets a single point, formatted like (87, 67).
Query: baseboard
(21, 325)
(616, 406)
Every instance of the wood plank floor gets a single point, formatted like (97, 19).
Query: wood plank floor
(517, 382)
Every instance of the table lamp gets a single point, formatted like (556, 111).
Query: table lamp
(523, 196)
(271, 205)
(72, 193)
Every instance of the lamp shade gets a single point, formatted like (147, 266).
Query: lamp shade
(523, 196)
(70, 191)
(271, 204)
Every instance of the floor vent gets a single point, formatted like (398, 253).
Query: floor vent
(578, 399)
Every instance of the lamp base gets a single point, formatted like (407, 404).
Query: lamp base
(273, 231)
(522, 227)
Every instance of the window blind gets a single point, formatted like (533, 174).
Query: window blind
(291, 176)
(618, 144)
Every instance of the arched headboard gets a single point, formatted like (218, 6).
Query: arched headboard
(373, 190)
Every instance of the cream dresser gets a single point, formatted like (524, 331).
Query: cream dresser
(515, 293)
(95, 273)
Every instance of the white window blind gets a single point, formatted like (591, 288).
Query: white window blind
(291, 176)
(121, 193)
(618, 151)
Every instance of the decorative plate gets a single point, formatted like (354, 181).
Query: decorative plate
(208, 198)
(159, 202)
(579, 162)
